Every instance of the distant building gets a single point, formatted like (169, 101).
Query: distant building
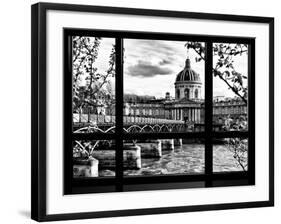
(187, 105)
(233, 108)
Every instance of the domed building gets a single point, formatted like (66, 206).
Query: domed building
(188, 84)
(185, 107)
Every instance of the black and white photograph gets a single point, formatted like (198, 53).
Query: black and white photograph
(164, 92)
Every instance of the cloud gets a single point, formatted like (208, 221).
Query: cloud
(161, 57)
(165, 62)
(157, 51)
(146, 69)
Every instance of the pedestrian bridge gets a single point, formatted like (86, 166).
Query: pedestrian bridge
(131, 124)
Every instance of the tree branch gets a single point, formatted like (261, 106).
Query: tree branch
(226, 60)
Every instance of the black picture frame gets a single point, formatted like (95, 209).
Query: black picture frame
(39, 110)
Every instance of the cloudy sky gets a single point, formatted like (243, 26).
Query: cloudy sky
(151, 66)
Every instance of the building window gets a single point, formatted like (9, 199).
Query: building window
(106, 151)
(178, 94)
(196, 93)
(186, 93)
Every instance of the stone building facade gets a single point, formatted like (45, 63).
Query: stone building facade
(188, 104)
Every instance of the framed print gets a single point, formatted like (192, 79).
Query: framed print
(130, 106)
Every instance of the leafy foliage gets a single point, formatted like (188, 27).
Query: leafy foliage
(89, 85)
(224, 67)
(237, 146)
(239, 124)
(84, 149)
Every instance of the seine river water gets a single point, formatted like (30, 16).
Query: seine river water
(185, 159)
(188, 158)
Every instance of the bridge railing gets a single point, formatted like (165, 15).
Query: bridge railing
(93, 118)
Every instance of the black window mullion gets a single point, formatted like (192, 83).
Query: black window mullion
(93, 136)
(167, 135)
(230, 134)
(208, 111)
(119, 113)
(68, 115)
(251, 111)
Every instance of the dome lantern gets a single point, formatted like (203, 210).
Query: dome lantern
(187, 63)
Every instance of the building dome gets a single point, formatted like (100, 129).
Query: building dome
(188, 74)
(188, 84)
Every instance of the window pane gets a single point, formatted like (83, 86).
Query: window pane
(163, 86)
(93, 69)
(230, 87)
(94, 158)
(230, 154)
(163, 156)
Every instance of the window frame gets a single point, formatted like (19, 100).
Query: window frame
(118, 182)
